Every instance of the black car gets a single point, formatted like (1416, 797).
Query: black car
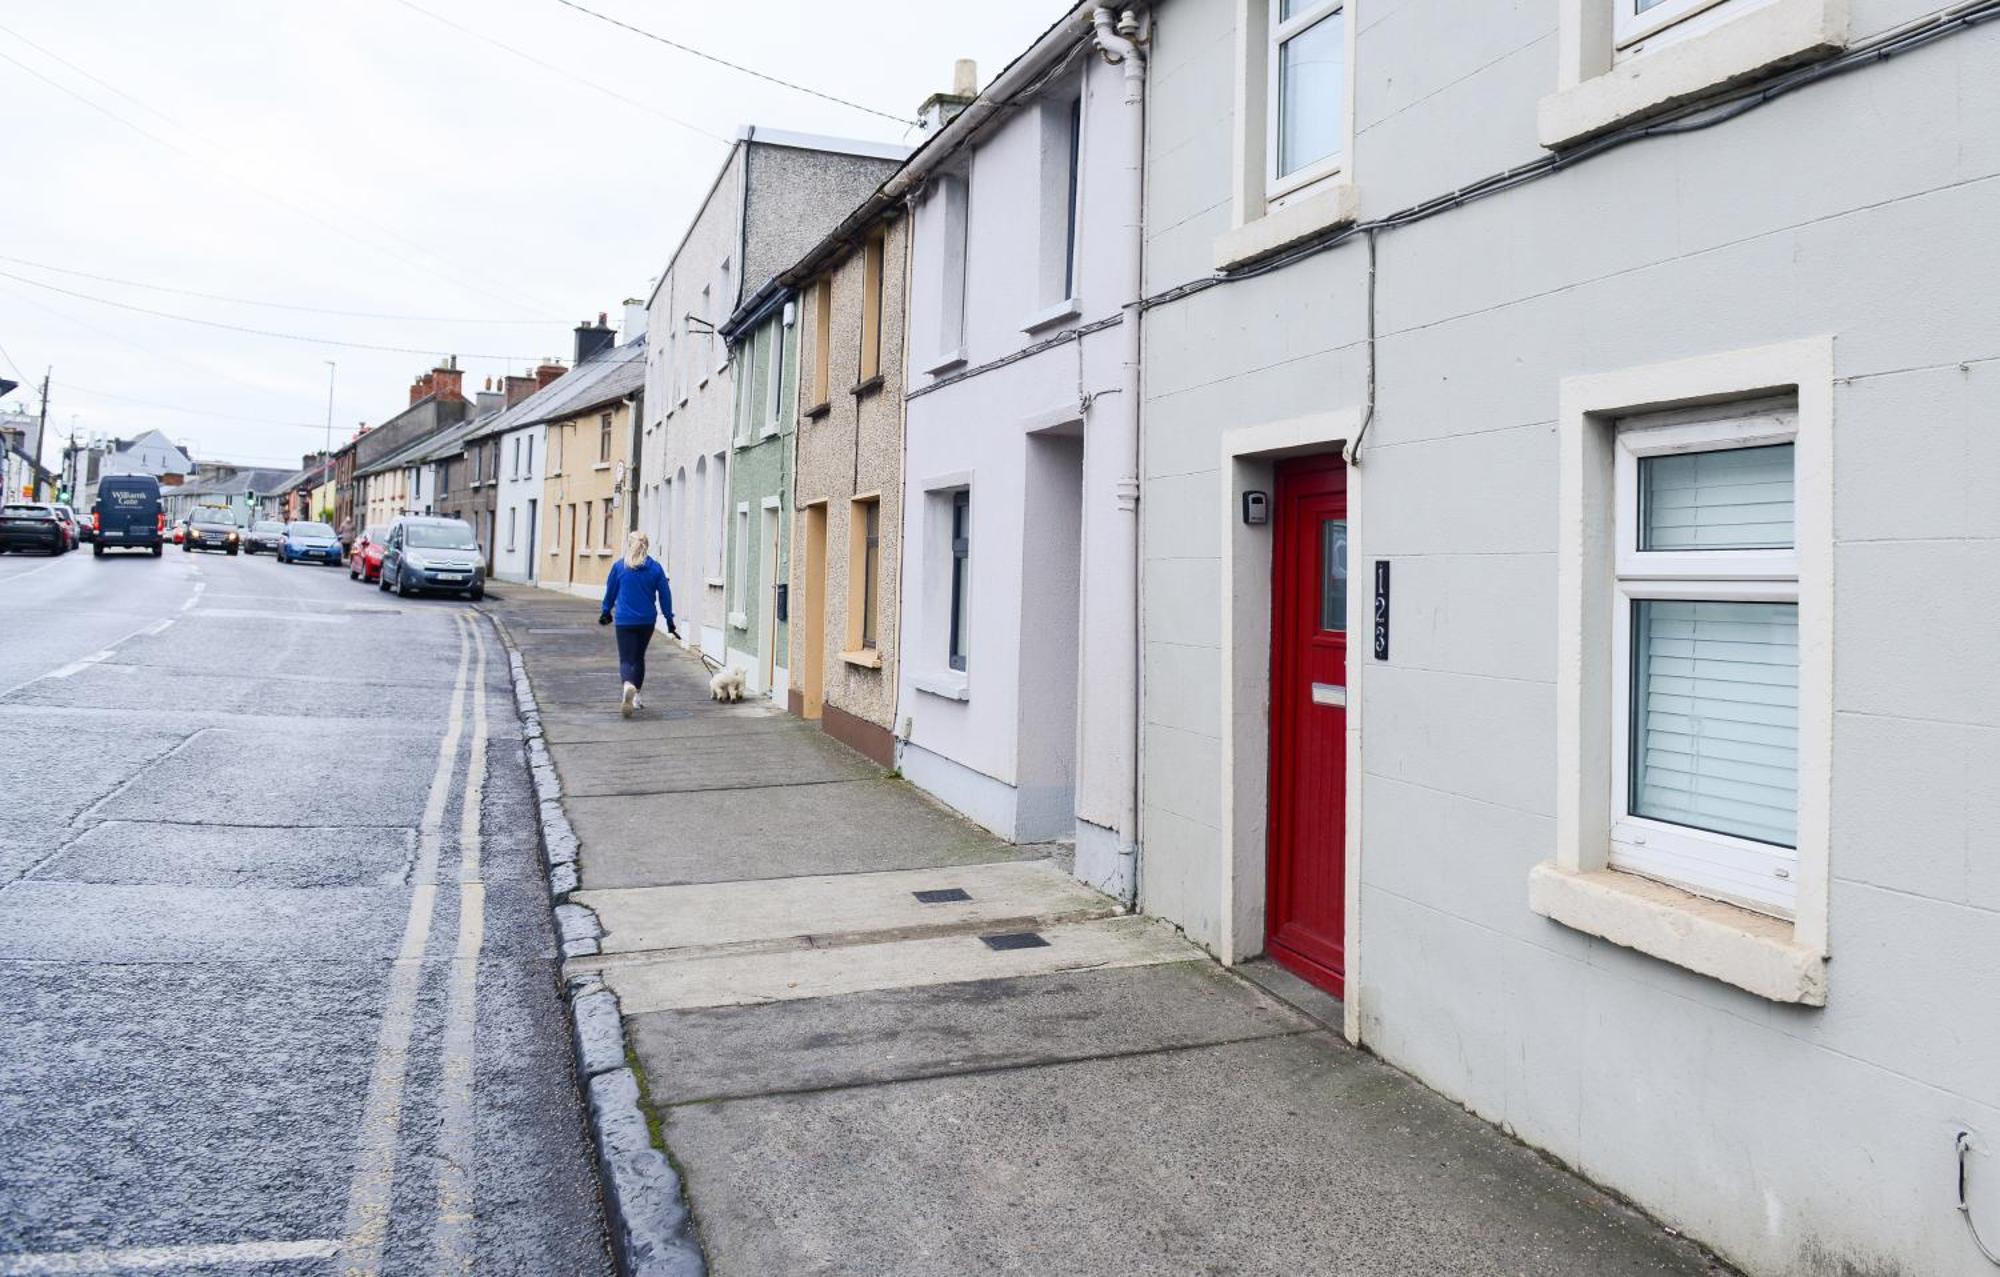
(30, 525)
(433, 554)
(128, 515)
(263, 535)
(213, 527)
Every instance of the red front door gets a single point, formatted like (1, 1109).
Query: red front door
(1305, 893)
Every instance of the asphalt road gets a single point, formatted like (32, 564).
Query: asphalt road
(276, 998)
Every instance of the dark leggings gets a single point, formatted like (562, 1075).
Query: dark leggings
(632, 640)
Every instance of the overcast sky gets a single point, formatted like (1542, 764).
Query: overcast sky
(364, 156)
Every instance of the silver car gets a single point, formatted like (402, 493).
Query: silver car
(433, 554)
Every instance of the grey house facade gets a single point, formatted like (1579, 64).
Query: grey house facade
(775, 195)
(1567, 547)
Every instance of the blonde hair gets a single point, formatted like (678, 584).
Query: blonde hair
(636, 545)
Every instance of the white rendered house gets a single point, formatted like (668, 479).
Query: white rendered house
(1018, 625)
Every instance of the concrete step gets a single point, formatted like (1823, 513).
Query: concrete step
(663, 982)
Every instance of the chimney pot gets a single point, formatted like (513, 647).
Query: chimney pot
(965, 78)
(547, 373)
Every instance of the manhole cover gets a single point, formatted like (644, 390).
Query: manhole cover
(941, 895)
(1015, 940)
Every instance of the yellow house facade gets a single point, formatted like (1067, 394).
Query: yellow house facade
(587, 443)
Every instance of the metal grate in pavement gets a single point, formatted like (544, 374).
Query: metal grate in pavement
(941, 895)
(1015, 940)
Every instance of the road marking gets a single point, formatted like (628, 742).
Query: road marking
(369, 1195)
(249, 614)
(78, 667)
(140, 1258)
(161, 628)
(30, 572)
(454, 1242)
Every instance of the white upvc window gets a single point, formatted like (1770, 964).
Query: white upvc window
(1306, 83)
(1705, 650)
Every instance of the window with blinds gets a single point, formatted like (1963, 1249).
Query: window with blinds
(1707, 593)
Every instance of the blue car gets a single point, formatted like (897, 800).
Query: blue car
(308, 543)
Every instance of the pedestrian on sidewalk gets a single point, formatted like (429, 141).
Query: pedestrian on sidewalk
(628, 602)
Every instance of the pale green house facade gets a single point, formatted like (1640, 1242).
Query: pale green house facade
(763, 337)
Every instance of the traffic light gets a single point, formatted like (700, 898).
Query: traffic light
(251, 497)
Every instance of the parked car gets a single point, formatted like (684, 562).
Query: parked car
(77, 523)
(364, 561)
(432, 554)
(67, 517)
(308, 543)
(31, 525)
(213, 527)
(263, 535)
(128, 515)
(180, 531)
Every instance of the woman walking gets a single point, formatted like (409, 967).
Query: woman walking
(628, 602)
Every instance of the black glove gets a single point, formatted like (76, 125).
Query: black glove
(671, 630)
(604, 618)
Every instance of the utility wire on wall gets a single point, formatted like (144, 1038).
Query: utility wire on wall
(691, 51)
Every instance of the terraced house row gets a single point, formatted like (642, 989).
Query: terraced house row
(1487, 505)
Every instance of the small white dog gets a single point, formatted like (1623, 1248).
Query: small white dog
(726, 685)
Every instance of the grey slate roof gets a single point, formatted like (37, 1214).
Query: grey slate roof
(604, 378)
(252, 480)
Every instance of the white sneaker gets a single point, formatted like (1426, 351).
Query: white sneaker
(630, 701)
(638, 701)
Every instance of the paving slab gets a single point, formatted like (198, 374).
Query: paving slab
(722, 761)
(893, 1035)
(722, 835)
(648, 983)
(639, 919)
(1290, 1154)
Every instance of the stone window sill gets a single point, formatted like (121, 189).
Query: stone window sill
(949, 684)
(1783, 32)
(951, 361)
(867, 658)
(738, 621)
(714, 582)
(1280, 228)
(602, 465)
(1066, 309)
(867, 387)
(1749, 950)
(818, 410)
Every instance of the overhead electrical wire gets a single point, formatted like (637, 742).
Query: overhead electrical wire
(193, 412)
(279, 200)
(571, 76)
(257, 332)
(253, 301)
(691, 51)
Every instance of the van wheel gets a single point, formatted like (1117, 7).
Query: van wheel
(96, 551)
(156, 551)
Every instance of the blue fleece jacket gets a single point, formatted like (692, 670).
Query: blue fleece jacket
(632, 591)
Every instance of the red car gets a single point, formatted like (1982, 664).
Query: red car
(365, 562)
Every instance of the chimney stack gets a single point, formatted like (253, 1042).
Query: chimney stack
(635, 321)
(548, 372)
(590, 341)
(447, 382)
(939, 109)
(519, 388)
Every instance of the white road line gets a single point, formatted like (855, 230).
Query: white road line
(453, 1242)
(141, 1258)
(161, 628)
(30, 572)
(78, 667)
(369, 1195)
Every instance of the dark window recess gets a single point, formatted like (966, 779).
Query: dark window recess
(961, 549)
(1015, 940)
(1075, 153)
(871, 566)
(941, 895)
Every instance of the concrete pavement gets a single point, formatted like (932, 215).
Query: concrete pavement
(276, 963)
(879, 1040)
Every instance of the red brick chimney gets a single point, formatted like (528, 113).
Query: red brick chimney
(547, 373)
(421, 387)
(448, 383)
(519, 388)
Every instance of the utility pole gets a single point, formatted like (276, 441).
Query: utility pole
(326, 454)
(41, 428)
